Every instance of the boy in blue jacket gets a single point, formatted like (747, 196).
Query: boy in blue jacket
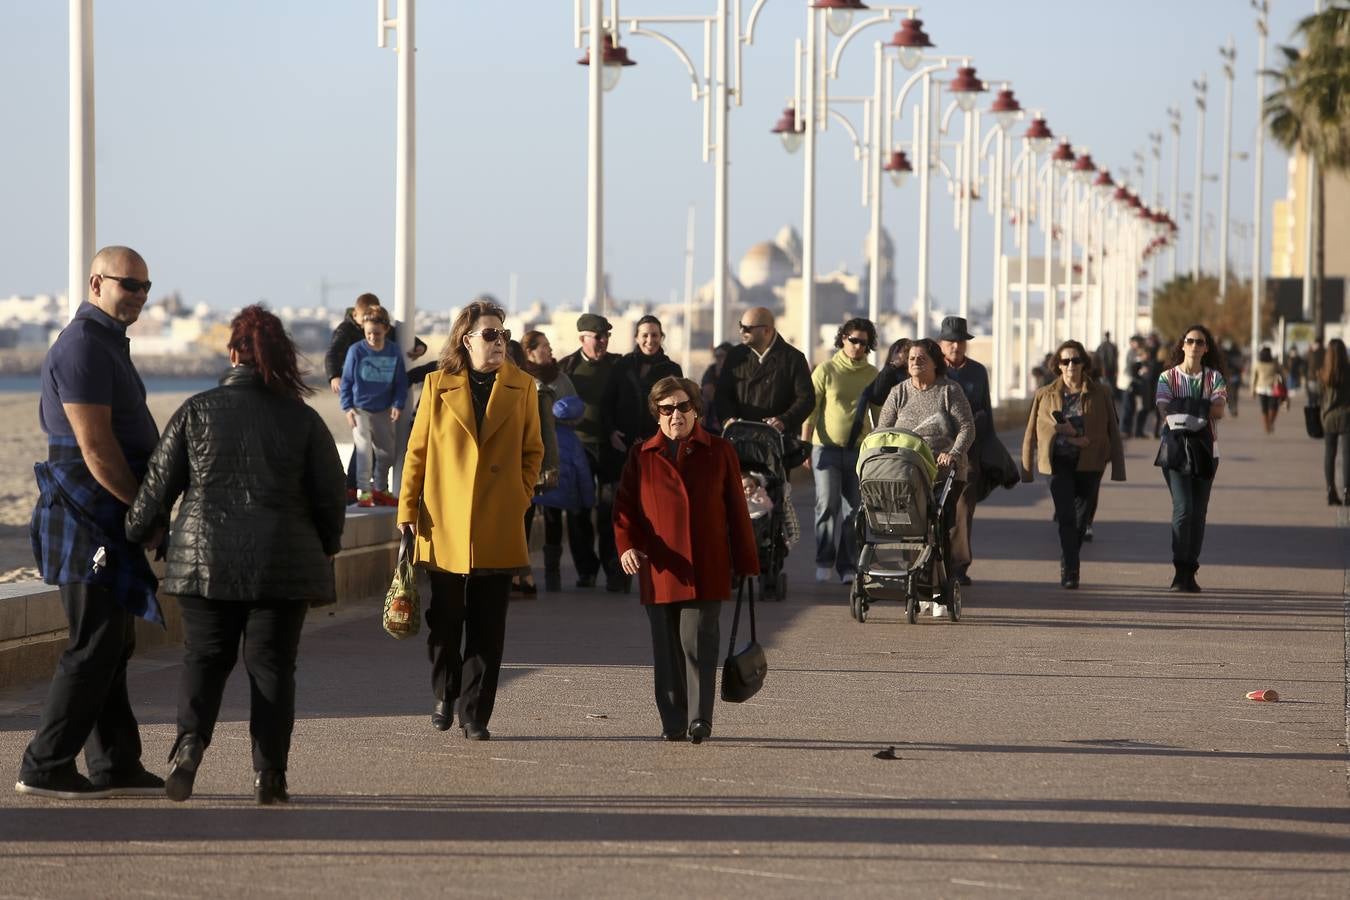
(373, 391)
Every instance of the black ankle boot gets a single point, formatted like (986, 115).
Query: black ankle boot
(187, 756)
(1333, 498)
(1068, 576)
(1179, 579)
(270, 787)
(1191, 586)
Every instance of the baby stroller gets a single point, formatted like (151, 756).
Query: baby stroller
(759, 447)
(902, 527)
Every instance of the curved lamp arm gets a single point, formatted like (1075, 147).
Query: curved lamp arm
(635, 28)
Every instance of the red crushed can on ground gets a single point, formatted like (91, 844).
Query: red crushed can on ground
(1263, 696)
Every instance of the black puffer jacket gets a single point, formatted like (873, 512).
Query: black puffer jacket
(264, 496)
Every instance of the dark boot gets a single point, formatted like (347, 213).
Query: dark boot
(187, 756)
(1068, 576)
(270, 788)
(1191, 586)
(1180, 578)
(1333, 498)
(552, 571)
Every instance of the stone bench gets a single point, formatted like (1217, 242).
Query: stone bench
(33, 627)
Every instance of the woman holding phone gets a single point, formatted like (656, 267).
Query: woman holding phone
(1071, 434)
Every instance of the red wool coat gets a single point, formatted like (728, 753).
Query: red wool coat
(688, 516)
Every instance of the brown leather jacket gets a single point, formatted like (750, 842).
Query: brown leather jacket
(1100, 427)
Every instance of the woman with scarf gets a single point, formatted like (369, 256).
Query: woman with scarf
(839, 384)
(1072, 433)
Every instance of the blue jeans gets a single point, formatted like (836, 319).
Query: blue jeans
(836, 473)
(1190, 505)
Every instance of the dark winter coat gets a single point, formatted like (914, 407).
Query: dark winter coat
(264, 496)
(625, 404)
(779, 386)
(576, 487)
(348, 332)
(1336, 406)
(688, 516)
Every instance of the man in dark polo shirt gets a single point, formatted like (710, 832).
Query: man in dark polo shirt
(974, 380)
(590, 367)
(99, 437)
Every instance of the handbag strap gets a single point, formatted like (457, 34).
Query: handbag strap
(405, 548)
(747, 585)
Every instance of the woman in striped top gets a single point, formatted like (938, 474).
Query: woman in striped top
(1192, 396)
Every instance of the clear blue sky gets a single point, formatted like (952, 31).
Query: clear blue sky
(247, 147)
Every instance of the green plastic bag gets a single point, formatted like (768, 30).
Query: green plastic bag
(402, 611)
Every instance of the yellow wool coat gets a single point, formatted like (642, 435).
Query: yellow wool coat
(468, 493)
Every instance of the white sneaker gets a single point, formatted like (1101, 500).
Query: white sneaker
(846, 578)
(939, 610)
(925, 606)
(824, 576)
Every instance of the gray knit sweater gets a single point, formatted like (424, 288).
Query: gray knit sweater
(940, 414)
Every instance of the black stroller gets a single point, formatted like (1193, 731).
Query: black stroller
(759, 447)
(902, 527)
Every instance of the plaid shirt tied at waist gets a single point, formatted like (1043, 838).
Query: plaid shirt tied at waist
(79, 534)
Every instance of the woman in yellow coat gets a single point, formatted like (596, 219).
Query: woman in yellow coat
(473, 460)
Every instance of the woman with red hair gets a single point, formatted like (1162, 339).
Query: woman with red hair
(264, 503)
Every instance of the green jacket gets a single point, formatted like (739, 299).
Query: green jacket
(838, 384)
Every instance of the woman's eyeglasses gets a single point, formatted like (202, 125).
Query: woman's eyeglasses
(493, 335)
(857, 342)
(667, 410)
(1196, 342)
(1072, 361)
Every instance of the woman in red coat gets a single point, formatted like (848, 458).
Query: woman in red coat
(681, 525)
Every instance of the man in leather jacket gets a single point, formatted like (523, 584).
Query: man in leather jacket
(765, 379)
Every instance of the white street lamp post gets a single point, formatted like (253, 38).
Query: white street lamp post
(1229, 55)
(1258, 286)
(81, 166)
(405, 168)
(1000, 311)
(595, 170)
(1174, 117)
(1201, 89)
(720, 80)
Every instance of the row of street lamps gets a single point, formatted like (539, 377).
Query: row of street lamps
(1118, 230)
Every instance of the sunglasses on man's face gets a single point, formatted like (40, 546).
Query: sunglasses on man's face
(492, 335)
(667, 410)
(1071, 361)
(132, 285)
(746, 329)
(1196, 342)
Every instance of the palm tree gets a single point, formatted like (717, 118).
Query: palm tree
(1309, 111)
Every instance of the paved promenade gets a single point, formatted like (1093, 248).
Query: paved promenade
(1054, 743)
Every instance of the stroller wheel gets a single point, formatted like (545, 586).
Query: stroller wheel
(857, 602)
(951, 596)
(912, 609)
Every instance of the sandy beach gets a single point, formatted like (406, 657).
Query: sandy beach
(23, 443)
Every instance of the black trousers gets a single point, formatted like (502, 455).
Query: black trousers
(581, 535)
(553, 524)
(87, 704)
(685, 638)
(1331, 439)
(271, 636)
(1075, 497)
(466, 624)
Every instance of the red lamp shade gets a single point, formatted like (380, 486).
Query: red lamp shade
(911, 41)
(966, 87)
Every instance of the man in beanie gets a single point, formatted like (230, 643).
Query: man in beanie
(590, 367)
(974, 380)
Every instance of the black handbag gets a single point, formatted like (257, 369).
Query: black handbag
(743, 673)
(1312, 420)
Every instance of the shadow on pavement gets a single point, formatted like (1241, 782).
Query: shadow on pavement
(744, 820)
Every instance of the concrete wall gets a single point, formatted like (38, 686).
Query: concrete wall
(33, 625)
